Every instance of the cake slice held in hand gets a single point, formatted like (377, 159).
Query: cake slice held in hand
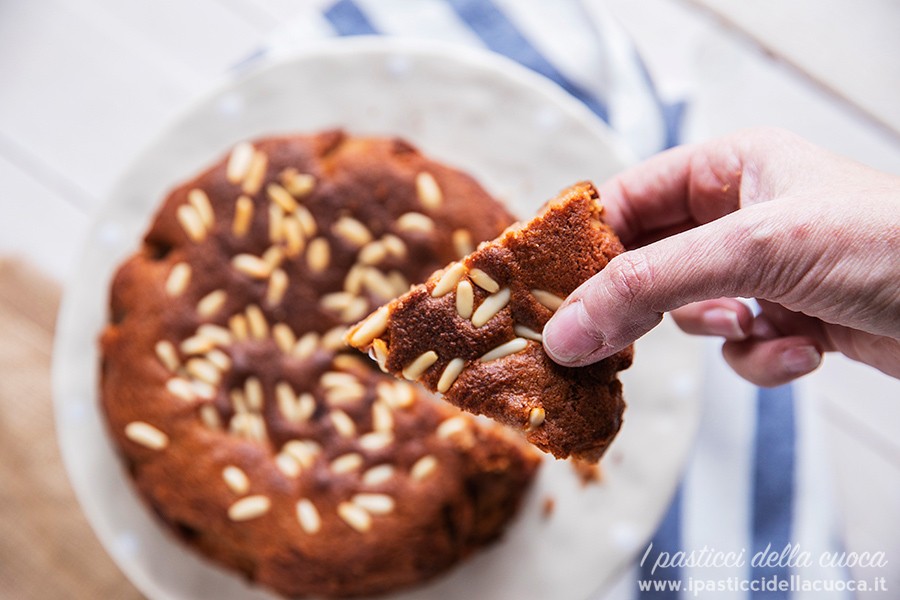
(472, 332)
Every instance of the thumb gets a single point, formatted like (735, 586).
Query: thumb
(724, 258)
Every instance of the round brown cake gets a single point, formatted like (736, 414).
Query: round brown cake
(247, 425)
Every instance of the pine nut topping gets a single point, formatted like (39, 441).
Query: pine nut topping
(536, 417)
(337, 379)
(451, 427)
(378, 475)
(259, 327)
(303, 451)
(377, 504)
(249, 426)
(462, 243)
(451, 372)
(334, 338)
(343, 424)
(178, 279)
(551, 301)
(465, 299)
(256, 173)
(251, 265)
(281, 197)
(295, 409)
(354, 279)
(278, 285)
(423, 467)
(287, 464)
(354, 516)
(191, 222)
(336, 301)
(371, 328)
(253, 392)
(203, 370)
(210, 416)
(375, 440)
(243, 216)
(167, 354)
(181, 388)
(256, 428)
(308, 516)
(239, 162)
(238, 326)
(527, 333)
(318, 255)
(492, 305)
(377, 284)
(273, 257)
(294, 239)
(416, 368)
(380, 353)
(196, 345)
(211, 303)
(428, 191)
(306, 220)
(356, 310)
(399, 281)
(215, 334)
(382, 417)
(200, 201)
(306, 406)
(483, 280)
(415, 222)
(236, 479)
(286, 399)
(146, 435)
(510, 347)
(397, 394)
(372, 253)
(218, 358)
(306, 345)
(349, 362)
(237, 400)
(298, 184)
(353, 231)
(342, 395)
(448, 280)
(248, 508)
(203, 390)
(276, 223)
(394, 245)
(347, 463)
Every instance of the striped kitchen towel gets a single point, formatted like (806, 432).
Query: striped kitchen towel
(752, 481)
(592, 59)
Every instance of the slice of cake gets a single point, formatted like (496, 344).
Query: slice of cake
(472, 331)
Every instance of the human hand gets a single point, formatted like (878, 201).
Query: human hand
(763, 214)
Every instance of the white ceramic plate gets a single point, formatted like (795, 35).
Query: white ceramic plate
(524, 139)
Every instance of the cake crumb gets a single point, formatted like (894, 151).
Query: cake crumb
(548, 506)
(587, 472)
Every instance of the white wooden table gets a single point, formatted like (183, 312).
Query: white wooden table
(85, 83)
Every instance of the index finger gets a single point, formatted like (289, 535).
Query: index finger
(676, 190)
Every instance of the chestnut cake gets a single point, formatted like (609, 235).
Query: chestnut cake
(246, 423)
(472, 331)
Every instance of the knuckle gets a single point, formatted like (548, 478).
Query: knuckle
(630, 275)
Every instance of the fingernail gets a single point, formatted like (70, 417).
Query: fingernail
(569, 337)
(724, 322)
(801, 359)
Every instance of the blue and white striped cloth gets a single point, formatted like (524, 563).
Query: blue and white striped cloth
(752, 481)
